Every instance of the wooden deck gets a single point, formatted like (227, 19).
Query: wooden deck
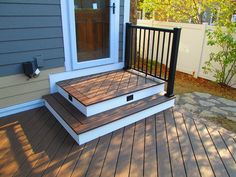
(97, 88)
(168, 144)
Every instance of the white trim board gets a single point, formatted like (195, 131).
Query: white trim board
(21, 107)
(54, 78)
(69, 37)
(108, 128)
(114, 102)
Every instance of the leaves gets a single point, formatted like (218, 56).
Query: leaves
(223, 38)
(189, 10)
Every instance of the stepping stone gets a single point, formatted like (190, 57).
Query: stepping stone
(206, 103)
(191, 108)
(205, 114)
(189, 100)
(202, 95)
(231, 109)
(227, 102)
(232, 118)
(214, 101)
(219, 111)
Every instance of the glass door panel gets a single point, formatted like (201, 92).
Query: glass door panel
(92, 22)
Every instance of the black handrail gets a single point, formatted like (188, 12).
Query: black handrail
(153, 51)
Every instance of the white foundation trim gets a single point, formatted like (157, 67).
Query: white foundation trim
(54, 78)
(21, 107)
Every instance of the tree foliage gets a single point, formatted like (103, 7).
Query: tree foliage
(185, 10)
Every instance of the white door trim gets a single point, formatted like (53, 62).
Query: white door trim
(69, 38)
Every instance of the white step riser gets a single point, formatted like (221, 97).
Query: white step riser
(108, 128)
(112, 103)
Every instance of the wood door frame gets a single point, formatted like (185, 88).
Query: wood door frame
(69, 37)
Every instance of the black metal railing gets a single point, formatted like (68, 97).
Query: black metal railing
(153, 51)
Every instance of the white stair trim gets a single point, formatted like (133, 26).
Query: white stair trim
(114, 102)
(110, 127)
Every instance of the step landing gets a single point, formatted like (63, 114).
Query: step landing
(98, 93)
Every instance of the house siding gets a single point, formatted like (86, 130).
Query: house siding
(29, 29)
(16, 89)
(121, 35)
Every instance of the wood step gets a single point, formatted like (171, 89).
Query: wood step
(98, 93)
(84, 129)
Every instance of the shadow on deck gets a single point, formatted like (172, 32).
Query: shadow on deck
(34, 144)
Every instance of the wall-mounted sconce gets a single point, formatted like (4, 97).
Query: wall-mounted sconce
(31, 69)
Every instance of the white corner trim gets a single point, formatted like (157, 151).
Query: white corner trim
(66, 35)
(21, 107)
(54, 78)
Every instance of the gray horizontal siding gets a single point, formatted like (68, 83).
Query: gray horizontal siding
(30, 29)
(17, 68)
(28, 33)
(29, 22)
(32, 10)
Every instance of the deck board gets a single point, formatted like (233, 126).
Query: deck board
(177, 161)
(215, 159)
(167, 144)
(186, 146)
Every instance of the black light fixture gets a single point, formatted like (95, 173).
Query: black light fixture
(31, 69)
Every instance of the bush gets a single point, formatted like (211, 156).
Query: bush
(225, 58)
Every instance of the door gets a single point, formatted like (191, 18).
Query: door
(94, 24)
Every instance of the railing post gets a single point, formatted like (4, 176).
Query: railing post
(127, 45)
(173, 62)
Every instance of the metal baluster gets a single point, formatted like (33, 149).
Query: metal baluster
(144, 46)
(162, 54)
(167, 58)
(147, 52)
(153, 42)
(158, 43)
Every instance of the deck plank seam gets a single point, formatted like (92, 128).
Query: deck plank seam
(203, 147)
(122, 137)
(155, 127)
(226, 146)
(191, 144)
(77, 161)
(38, 144)
(144, 148)
(54, 155)
(95, 150)
(112, 134)
(33, 136)
(47, 147)
(179, 143)
(67, 155)
(217, 150)
(131, 154)
(167, 140)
